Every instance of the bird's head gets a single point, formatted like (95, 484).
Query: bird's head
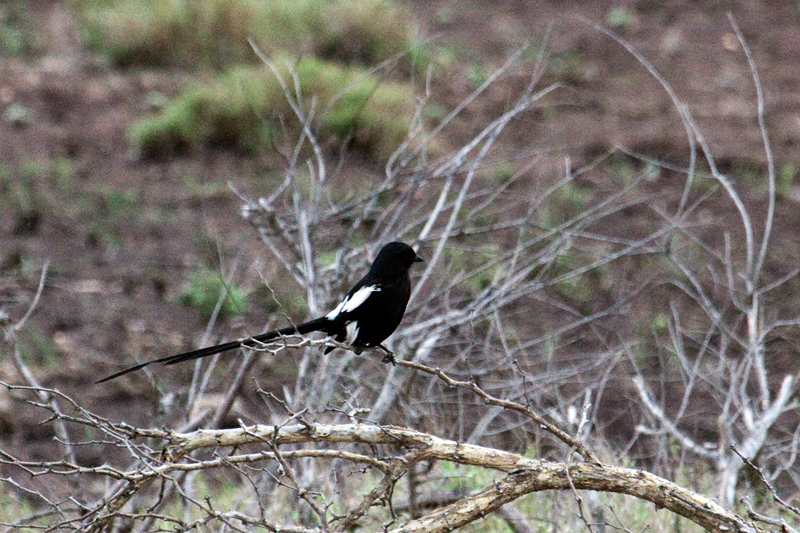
(395, 258)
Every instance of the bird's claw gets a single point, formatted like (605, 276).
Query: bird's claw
(388, 356)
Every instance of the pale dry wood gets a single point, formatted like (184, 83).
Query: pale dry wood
(585, 476)
(524, 475)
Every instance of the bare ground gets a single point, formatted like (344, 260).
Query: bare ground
(122, 236)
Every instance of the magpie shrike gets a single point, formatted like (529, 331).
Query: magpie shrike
(369, 313)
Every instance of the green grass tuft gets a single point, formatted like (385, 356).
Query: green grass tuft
(19, 33)
(785, 179)
(225, 113)
(205, 290)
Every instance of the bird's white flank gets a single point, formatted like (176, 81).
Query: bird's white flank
(352, 332)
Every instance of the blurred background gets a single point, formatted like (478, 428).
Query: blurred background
(133, 133)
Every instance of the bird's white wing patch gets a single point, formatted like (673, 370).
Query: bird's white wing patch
(352, 331)
(359, 298)
(351, 303)
(333, 314)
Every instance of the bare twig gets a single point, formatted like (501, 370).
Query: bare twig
(565, 437)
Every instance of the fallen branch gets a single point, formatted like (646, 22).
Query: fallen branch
(525, 475)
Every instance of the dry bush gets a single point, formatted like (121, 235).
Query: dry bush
(521, 327)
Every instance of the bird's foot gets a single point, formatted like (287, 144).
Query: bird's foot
(388, 356)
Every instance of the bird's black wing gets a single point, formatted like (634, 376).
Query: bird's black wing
(370, 313)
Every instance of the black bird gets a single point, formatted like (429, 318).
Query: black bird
(369, 313)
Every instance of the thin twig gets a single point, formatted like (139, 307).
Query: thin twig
(562, 435)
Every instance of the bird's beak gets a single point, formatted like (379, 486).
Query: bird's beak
(418, 259)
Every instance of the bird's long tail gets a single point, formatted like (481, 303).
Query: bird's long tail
(250, 342)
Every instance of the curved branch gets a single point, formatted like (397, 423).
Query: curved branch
(525, 475)
(585, 476)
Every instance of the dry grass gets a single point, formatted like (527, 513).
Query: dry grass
(214, 33)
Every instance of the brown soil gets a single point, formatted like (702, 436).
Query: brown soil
(115, 271)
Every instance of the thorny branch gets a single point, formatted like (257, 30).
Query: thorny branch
(188, 452)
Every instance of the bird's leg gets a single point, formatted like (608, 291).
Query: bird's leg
(388, 356)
